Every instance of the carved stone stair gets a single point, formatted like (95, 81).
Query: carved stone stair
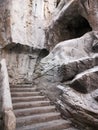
(34, 111)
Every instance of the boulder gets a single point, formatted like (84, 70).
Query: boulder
(86, 81)
(64, 62)
(82, 108)
(68, 71)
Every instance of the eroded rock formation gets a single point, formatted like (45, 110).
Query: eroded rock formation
(24, 21)
(72, 63)
(22, 35)
(68, 29)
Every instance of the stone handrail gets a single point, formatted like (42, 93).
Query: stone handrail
(7, 108)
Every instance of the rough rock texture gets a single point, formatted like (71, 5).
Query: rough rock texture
(4, 23)
(10, 121)
(7, 108)
(1, 116)
(68, 25)
(65, 24)
(47, 72)
(28, 27)
(22, 35)
(69, 51)
(68, 71)
(21, 64)
(83, 107)
(89, 9)
(86, 81)
(67, 60)
(25, 23)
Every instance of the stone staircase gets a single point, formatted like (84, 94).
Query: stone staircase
(34, 111)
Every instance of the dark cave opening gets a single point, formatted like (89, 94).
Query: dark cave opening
(57, 3)
(68, 27)
(78, 26)
(43, 53)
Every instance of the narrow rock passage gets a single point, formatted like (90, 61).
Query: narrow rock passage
(34, 111)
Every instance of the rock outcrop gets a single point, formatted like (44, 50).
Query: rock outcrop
(24, 21)
(22, 35)
(22, 62)
(67, 23)
(72, 63)
(67, 30)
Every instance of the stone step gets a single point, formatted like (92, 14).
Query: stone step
(28, 120)
(21, 86)
(50, 125)
(33, 111)
(24, 94)
(24, 105)
(23, 89)
(28, 99)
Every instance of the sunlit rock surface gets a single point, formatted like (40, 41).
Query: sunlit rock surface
(22, 35)
(24, 22)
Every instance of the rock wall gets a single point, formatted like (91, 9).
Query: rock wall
(22, 26)
(65, 24)
(68, 75)
(21, 64)
(5, 30)
(72, 64)
(50, 72)
(29, 28)
(24, 22)
(1, 116)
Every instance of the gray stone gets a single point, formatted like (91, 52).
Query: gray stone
(16, 22)
(27, 28)
(86, 81)
(70, 70)
(82, 107)
(65, 24)
(95, 46)
(10, 122)
(1, 114)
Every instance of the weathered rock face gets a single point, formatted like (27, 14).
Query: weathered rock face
(1, 116)
(10, 120)
(89, 9)
(64, 66)
(21, 64)
(65, 24)
(68, 25)
(82, 107)
(22, 33)
(69, 51)
(72, 63)
(5, 32)
(28, 27)
(66, 53)
(24, 21)
(86, 81)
